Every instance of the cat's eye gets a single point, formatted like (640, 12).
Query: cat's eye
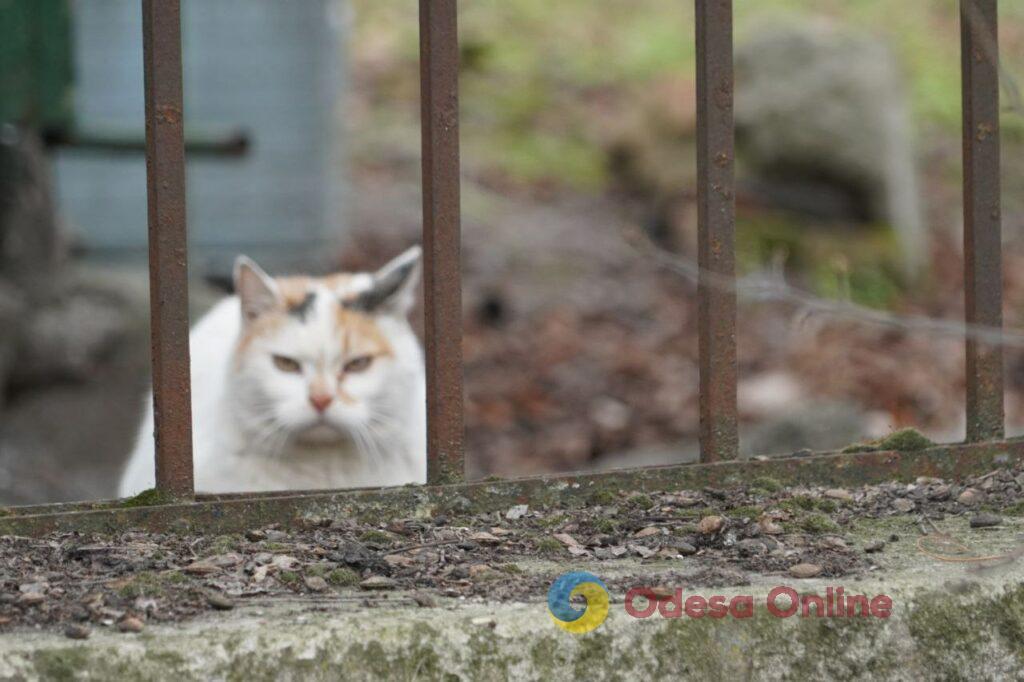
(360, 364)
(286, 364)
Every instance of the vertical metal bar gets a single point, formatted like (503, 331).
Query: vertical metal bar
(168, 250)
(439, 97)
(979, 59)
(715, 231)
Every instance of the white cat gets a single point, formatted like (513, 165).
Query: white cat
(301, 383)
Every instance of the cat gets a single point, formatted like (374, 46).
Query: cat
(301, 383)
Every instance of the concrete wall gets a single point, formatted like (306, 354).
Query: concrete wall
(272, 67)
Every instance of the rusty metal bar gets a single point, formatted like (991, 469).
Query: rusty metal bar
(228, 514)
(979, 59)
(715, 232)
(439, 97)
(168, 250)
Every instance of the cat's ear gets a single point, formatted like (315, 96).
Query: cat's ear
(394, 286)
(256, 290)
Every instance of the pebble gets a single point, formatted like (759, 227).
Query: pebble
(485, 538)
(566, 539)
(939, 493)
(76, 632)
(219, 601)
(903, 505)
(682, 547)
(316, 584)
(131, 624)
(255, 535)
(517, 512)
(839, 494)
(969, 497)
(201, 568)
(647, 532)
(751, 547)
(710, 525)
(874, 546)
(985, 520)
(424, 600)
(805, 570)
(379, 582)
(31, 598)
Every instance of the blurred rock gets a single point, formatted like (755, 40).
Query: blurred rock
(821, 426)
(823, 124)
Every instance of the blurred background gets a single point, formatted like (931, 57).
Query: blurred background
(577, 136)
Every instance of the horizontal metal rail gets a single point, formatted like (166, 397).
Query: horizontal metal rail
(227, 514)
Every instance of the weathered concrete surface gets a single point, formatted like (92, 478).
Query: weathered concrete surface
(948, 622)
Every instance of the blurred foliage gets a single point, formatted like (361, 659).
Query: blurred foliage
(862, 266)
(543, 81)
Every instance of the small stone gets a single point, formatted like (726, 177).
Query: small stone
(131, 624)
(201, 568)
(660, 592)
(805, 570)
(939, 493)
(424, 600)
(255, 535)
(839, 494)
(647, 532)
(566, 539)
(378, 582)
(517, 512)
(76, 631)
(219, 601)
(751, 547)
(710, 525)
(315, 583)
(485, 538)
(276, 535)
(399, 560)
(969, 497)
(903, 505)
(985, 520)
(480, 571)
(874, 546)
(284, 562)
(31, 598)
(577, 551)
(643, 552)
(681, 547)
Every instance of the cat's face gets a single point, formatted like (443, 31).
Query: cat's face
(314, 358)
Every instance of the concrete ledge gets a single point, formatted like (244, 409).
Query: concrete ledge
(947, 622)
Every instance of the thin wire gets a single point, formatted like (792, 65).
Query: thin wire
(765, 286)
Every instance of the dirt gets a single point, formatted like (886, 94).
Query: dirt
(706, 538)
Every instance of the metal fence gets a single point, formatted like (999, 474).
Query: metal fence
(439, 67)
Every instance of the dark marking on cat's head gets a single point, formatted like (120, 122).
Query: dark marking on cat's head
(302, 308)
(389, 285)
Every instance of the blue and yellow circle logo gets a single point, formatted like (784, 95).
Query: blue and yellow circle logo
(569, 585)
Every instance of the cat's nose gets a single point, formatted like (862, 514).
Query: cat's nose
(320, 401)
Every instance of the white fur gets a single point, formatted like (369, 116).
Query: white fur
(254, 428)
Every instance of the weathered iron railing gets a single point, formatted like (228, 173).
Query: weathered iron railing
(441, 237)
